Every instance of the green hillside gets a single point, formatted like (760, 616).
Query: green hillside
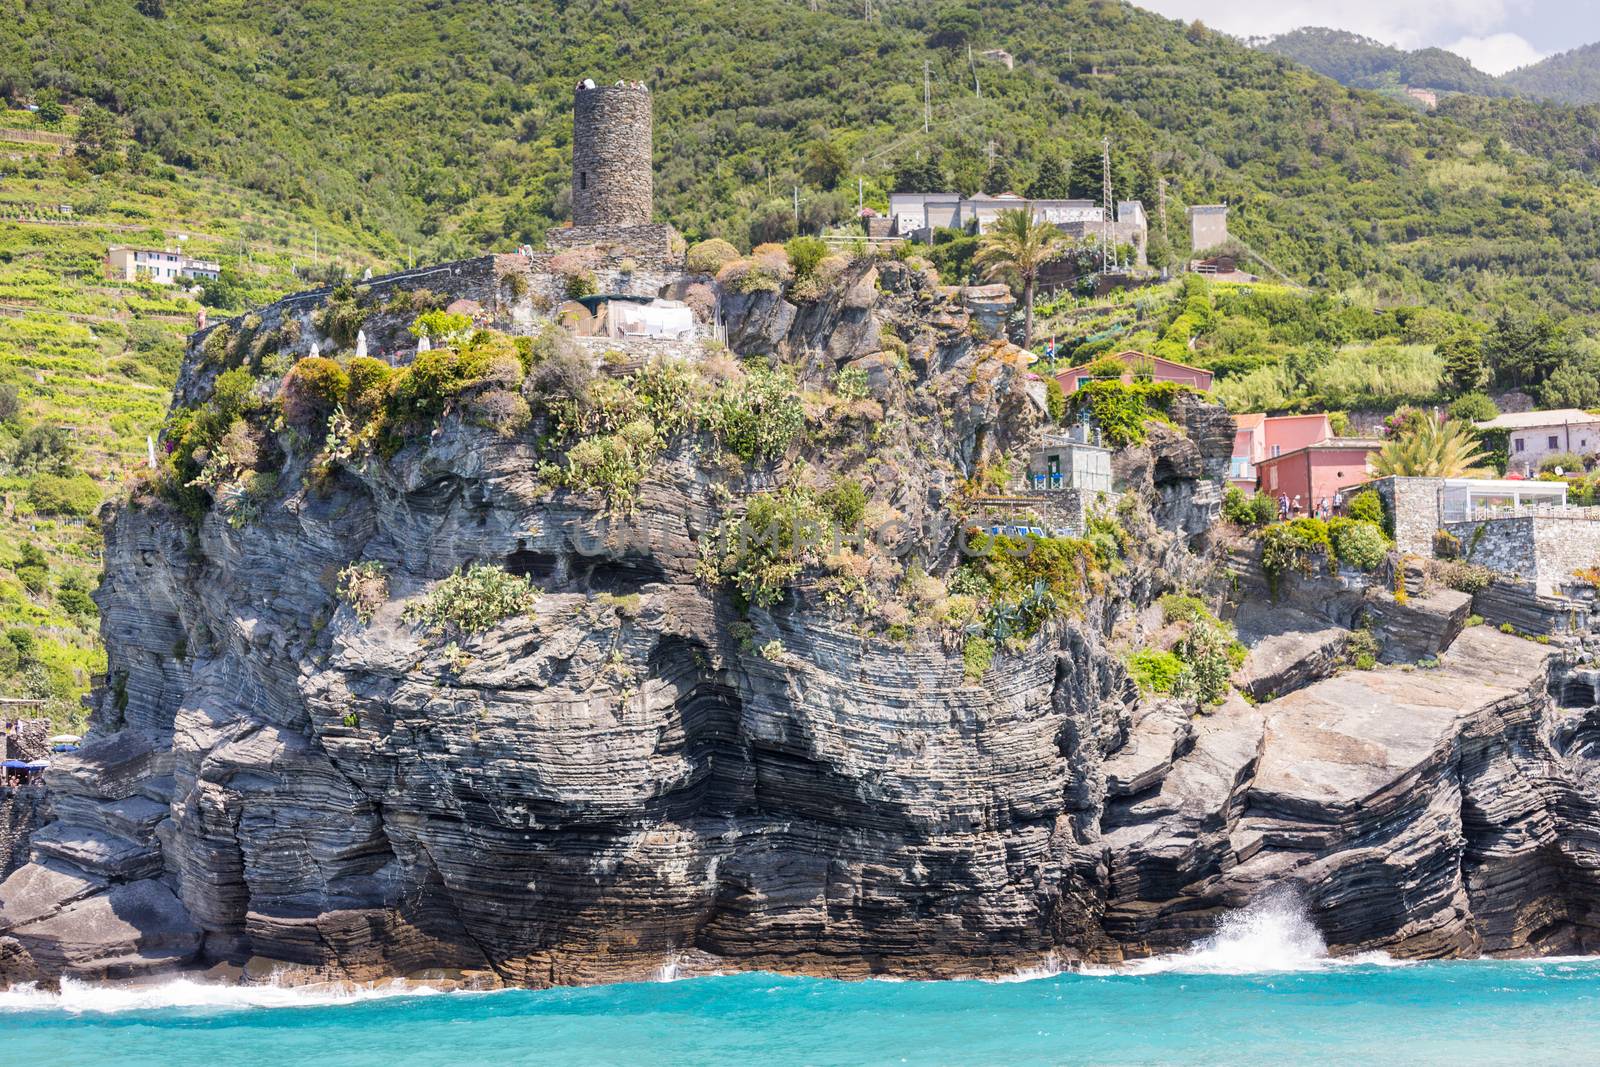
(1363, 63)
(443, 124)
(292, 143)
(87, 364)
(1571, 77)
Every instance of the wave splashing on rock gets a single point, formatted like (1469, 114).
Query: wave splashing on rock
(1272, 933)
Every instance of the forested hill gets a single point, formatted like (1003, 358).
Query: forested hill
(1364, 63)
(444, 124)
(1570, 77)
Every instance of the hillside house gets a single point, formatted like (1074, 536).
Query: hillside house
(1258, 437)
(1074, 460)
(1160, 370)
(917, 215)
(1208, 226)
(1426, 97)
(165, 265)
(1318, 472)
(1533, 435)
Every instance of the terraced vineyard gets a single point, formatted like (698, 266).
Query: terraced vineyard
(91, 361)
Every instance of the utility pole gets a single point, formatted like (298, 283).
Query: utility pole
(1105, 193)
(861, 198)
(927, 99)
(797, 209)
(1161, 190)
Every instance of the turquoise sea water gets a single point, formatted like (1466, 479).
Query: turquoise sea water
(1442, 1013)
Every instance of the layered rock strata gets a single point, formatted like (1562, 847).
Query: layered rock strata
(635, 773)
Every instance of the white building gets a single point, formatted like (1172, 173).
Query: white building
(1533, 435)
(166, 266)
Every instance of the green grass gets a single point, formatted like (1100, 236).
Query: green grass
(99, 357)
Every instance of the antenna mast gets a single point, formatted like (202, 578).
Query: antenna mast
(927, 99)
(1105, 193)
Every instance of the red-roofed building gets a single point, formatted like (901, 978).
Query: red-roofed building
(1161, 370)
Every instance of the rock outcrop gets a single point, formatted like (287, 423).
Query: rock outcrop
(640, 771)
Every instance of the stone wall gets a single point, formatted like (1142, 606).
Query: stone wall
(1505, 546)
(612, 183)
(636, 352)
(1542, 549)
(511, 292)
(22, 811)
(1414, 505)
(26, 739)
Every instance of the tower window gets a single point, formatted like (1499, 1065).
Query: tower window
(583, 179)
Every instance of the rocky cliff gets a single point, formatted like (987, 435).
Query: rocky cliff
(895, 764)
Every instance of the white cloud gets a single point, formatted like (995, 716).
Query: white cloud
(1405, 23)
(1496, 53)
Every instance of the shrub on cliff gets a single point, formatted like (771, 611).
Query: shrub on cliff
(1122, 409)
(440, 327)
(369, 384)
(763, 551)
(804, 254)
(1241, 509)
(1207, 651)
(365, 587)
(759, 418)
(342, 317)
(1055, 399)
(708, 257)
(1366, 506)
(313, 388)
(1358, 543)
(472, 600)
(1293, 546)
(1154, 671)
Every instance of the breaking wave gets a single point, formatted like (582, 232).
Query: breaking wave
(1273, 933)
(187, 994)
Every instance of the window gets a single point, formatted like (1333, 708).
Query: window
(1518, 443)
(1555, 442)
(1272, 478)
(583, 179)
(1277, 450)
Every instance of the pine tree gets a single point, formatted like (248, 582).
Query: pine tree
(1053, 182)
(1465, 369)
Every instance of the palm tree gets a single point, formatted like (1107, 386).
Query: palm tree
(1016, 246)
(1432, 449)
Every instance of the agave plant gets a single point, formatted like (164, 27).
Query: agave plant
(1433, 449)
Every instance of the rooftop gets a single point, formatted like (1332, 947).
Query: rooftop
(1520, 420)
(1337, 444)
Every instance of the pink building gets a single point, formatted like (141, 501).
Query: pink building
(1161, 370)
(1315, 473)
(1260, 437)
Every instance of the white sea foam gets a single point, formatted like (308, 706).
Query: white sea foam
(184, 993)
(1049, 968)
(1273, 933)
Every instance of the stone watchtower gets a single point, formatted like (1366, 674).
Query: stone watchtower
(611, 155)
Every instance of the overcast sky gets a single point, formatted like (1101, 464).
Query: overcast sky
(1496, 35)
